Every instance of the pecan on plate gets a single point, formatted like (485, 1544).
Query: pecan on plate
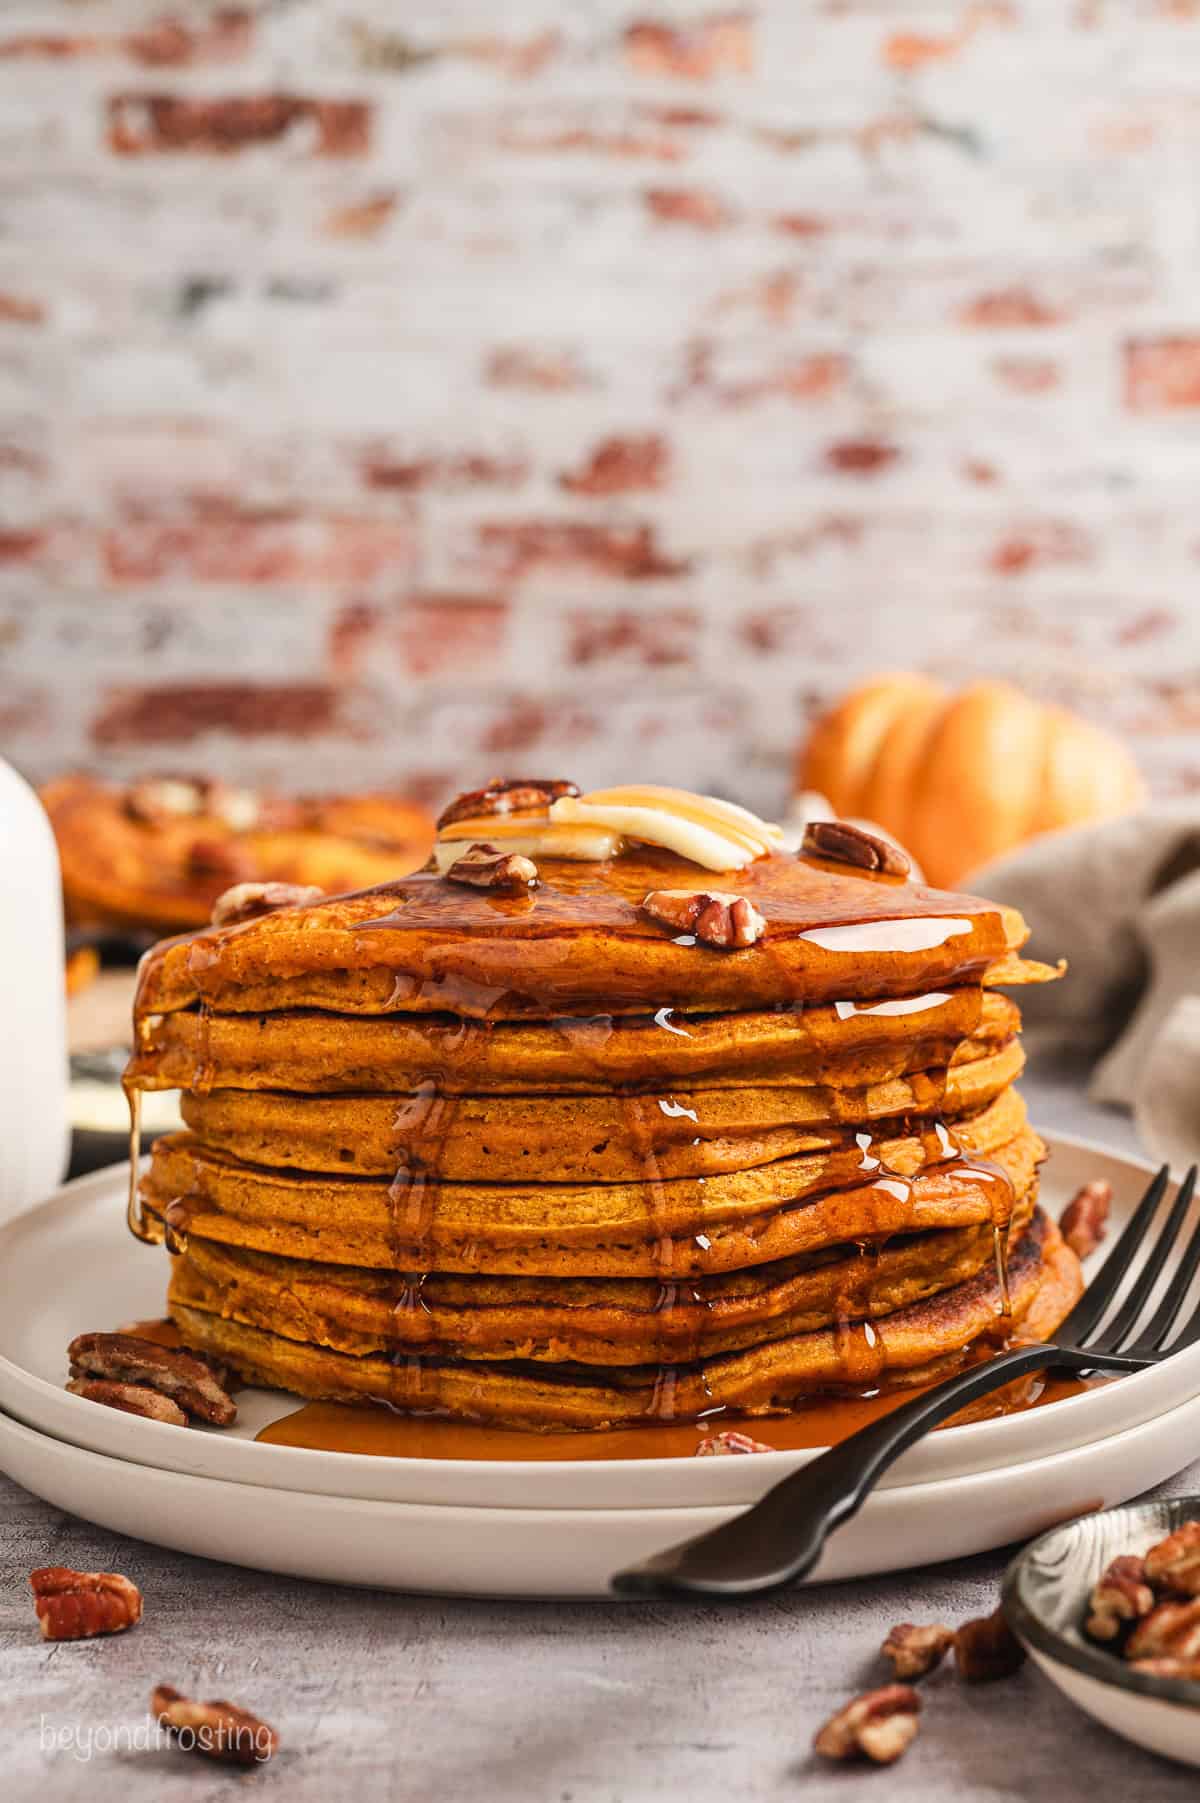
(1120, 1595)
(512, 795)
(727, 922)
(915, 1650)
(76, 1605)
(187, 1380)
(487, 867)
(719, 1445)
(847, 844)
(217, 1729)
(248, 901)
(986, 1649)
(1084, 1221)
(1174, 1564)
(879, 1725)
(1170, 1631)
(131, 1399)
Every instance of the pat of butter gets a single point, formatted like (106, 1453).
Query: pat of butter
(529, 838)
(688, 838)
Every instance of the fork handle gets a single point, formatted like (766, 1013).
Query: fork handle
(779, 1539)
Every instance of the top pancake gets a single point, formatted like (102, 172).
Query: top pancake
(580, 943)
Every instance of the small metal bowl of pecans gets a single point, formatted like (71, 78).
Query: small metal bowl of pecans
(1108, 1606)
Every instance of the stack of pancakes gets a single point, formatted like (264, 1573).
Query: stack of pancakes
(536, 1159)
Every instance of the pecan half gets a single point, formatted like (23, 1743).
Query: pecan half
(727, 922)
(219, 858)
(248, 901)
(187, 1380)
(131, 1399)
(916, 1651)
(847, 844)
(719, 1445)
(1174, 1564)
(1171, 1631)
(218, 1729)
(1084, 1221)
(1121, 1595)
(986, 1649)
(486, 867)
(511, 795)
(879, 1725)
(77, 1605)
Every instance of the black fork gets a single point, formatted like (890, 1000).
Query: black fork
(780, 1538)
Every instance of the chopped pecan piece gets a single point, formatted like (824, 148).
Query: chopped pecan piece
(728, 922)
(77, 1605)
(1121, 1595)
(486, 867)
(131, 1399)
(1174, 1564)
(848, 844)
(1168, 1668)
(879, 1725)
(187, 1380)
(718, 1445)
(916, 1651)
(1170, 1631)
(1084, 1221)
(217, 1729)
(248, 901)
(986, 1649)
(513, 795)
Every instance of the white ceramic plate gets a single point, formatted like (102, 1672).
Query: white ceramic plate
(572, 1552)
(70, 1265)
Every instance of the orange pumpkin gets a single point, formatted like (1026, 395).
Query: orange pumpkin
(962, 778)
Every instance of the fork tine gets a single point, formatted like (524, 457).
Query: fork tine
(1130, 1311)
(1153, 1336)
(1088, 1312)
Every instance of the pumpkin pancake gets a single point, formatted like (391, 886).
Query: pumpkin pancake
(618, 1321)
(556, 1139)
(769, 1377)
(304, 1050)
(158, 853)
(682, 1226)
(581, 943)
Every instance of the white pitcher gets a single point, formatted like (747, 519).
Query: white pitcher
(34, 1132)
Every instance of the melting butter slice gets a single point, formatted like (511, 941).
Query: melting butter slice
(717, 835)
(529, 835)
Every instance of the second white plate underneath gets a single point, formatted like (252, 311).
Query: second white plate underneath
(541, 1552)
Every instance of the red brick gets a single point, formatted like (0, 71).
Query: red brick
(548, 370)
(807, 378)
(510, 56)
(523, 726)
(720, 44)
(911, 50)
(175, 713)
(801, 225)
(621, 466)
(217, 541)
(515, 548)
(860, 456)
(1149, 625)
(163, 43)
(1162, 375)
(1046, 542)
(21, 310)
(664, 638)
(382, 469)
(21, 546)
(438, 634)
(166, 123)
(559, 140)
(688, 206)
(1005, 307)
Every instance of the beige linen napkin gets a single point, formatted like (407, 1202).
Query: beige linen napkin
(1121, 902)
